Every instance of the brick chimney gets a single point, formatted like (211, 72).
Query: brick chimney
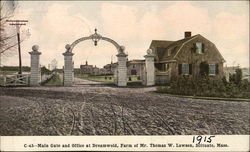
(187, 34)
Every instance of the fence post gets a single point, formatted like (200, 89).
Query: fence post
(27, 79)
(15, 78)
(4, 80)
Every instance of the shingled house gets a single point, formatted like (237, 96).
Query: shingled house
(193, 56)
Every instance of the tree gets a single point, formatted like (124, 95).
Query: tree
(7, 9)
(236, 77)
(8, 35)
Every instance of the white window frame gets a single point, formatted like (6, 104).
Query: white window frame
(209, 69)
(166, 66)
(182, 68)
(169, 52)
(197, 47)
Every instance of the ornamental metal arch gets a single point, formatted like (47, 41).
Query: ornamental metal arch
(120, 74)
(95, 38)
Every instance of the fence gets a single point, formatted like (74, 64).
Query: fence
(46, 78)
(16, 80)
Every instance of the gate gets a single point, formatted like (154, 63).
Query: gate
(16, 80)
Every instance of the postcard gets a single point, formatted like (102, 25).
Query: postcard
(124, 76)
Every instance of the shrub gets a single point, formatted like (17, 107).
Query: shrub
(206, 86)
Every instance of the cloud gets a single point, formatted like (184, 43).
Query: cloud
(134, 27)
(229, 26)
(119, 19)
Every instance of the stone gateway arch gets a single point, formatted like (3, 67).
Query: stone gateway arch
(121, 69)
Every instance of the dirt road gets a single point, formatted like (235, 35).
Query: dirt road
(92, 108)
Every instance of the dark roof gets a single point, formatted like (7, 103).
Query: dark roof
(173, 46)
(136, 61)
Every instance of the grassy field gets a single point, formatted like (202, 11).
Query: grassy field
(1, 80)
(98, 78)
(54, 81)
(2, 73)
(7, 72)
(101, 78)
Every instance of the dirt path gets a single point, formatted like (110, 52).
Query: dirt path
(92, 108)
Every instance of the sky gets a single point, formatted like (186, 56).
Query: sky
(133, 24)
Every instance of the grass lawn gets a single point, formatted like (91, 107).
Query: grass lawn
(2, 73)
(1, 80)
(98, 78)
(101, 78)
(54, 81)
(8, 72)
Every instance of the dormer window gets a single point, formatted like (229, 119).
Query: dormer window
(169, 52)
(199, 47)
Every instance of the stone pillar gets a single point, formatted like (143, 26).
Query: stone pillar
(149, 69)
(68, 69)
(115, 76)
(122, 69)
(35, 66)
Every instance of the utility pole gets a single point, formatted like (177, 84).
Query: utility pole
(18, 24)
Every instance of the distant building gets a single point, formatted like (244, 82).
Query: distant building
(110, 68)
(135, 67)
(86, 69)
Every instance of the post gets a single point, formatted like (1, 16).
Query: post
(19, 52)
(4, 80)
(68, 68)
(149, 69)
(34, 66)
(122, 69)
(18, 24)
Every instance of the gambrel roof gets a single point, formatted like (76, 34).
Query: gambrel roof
(173, 46)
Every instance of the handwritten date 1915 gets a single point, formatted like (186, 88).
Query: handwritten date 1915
(199, 139)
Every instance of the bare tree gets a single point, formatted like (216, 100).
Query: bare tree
(8, 36)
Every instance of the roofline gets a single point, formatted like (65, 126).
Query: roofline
(169, 61)
(183, 45)
(223, 60)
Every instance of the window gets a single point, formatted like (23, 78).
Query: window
(199, 47)
(185, 69)
(213, 69)
(169, 52)
(161, 49)
(167, 66)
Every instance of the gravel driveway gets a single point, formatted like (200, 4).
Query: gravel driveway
(92, 108)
